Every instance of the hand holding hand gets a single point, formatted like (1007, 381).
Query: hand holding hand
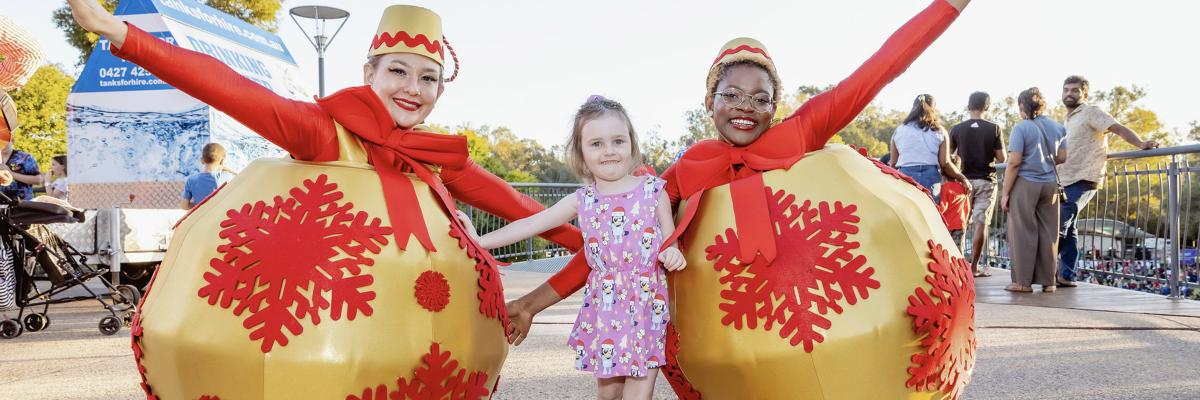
(1149, 144)
(672, 259)
(466, 221)
(519, 322)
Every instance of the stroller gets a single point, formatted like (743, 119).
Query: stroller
(30, 253)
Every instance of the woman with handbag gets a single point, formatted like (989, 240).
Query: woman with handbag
(1032, 194)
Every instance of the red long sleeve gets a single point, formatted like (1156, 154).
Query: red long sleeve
(827, 113)
(302, 128)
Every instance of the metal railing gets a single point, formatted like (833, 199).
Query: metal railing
(1139, 231)
(532, 248)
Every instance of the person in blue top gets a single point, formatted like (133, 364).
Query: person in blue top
(213, 174)
(25, 173)
(1035, 148)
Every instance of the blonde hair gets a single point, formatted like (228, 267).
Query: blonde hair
(596, 107)
(212, 153)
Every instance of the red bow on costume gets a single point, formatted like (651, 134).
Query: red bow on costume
(712, 163)
(394, 152)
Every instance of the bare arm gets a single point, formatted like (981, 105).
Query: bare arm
(671, 258)
(1010, 176)
(1061, 157)
(1130, 136)
(185, 204)
(94, 18)
(27, 179)
(999, 146)
(948, 168)
(895, 154)
(524, 228)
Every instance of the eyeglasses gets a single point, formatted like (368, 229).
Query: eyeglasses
(736, 98)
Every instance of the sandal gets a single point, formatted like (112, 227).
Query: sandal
(1065, 283)
(1049, 289)
(1012, 287)
(983, 274)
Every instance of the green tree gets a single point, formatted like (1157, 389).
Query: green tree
(256, 12)
(42, 108)
(1122, 103)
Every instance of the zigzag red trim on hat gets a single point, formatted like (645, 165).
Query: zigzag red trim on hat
(410, 41)
(741, 48)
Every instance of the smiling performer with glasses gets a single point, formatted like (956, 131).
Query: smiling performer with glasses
(809, 263)
(339, 274)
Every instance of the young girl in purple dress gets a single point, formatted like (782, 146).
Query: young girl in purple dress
(619, 334)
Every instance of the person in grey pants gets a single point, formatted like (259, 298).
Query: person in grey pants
(1030, 194)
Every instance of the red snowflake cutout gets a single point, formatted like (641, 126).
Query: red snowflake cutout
(293, 258)
(946, 316)
(815, 271)
(135, 336)
(432, 291)
(681, 385)
(491, 291)
(439, 378)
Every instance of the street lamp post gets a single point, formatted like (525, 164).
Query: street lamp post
(320, 15)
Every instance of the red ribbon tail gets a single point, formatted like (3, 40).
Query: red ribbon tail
(755, 231)
(693, 203)
(402, 207)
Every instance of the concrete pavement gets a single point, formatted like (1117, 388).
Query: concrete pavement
(1029, 348)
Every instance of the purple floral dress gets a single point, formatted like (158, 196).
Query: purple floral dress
(621, 326)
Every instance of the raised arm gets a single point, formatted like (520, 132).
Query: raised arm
(303, 129)
(827, 113)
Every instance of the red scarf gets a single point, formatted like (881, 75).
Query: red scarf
(713, 163)
(393, 152)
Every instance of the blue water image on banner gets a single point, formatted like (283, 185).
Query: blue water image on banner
(138, 146)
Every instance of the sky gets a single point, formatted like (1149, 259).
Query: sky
(528, 65)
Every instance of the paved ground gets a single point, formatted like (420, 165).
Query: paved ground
(1028, 349)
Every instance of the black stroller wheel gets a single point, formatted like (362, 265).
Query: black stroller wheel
(110, 325)
(127, 317)
(36, 322)
(129, 294)
(9, 329)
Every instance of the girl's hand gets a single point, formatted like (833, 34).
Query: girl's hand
(1004, 203)
(672, 259)
(466, 221)
(94, 18)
